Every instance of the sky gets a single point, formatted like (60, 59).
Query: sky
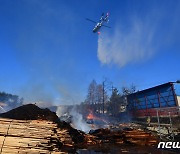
(50, 54)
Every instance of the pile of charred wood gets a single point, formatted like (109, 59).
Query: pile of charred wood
(128, 136)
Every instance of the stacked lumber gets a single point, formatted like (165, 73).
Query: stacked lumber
(37, 136)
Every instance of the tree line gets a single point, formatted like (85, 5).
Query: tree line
(104, 98)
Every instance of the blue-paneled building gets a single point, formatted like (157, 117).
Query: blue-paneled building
(146, 102)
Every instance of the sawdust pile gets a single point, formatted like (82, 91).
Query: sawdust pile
(30, 112)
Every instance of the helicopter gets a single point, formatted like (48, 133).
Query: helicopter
(100, 23)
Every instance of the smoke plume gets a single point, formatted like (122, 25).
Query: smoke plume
(78, 122)
(124, 47)
(76, 119)
(2, 110)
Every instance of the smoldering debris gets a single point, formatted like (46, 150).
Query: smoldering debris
(130, 136)
(125, 133)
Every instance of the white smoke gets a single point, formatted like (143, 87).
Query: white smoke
(130, 46)
(77, 120)
(2, 110)
(61, 110)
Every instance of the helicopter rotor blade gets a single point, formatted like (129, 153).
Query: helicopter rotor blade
(106, 26)
(91, 20)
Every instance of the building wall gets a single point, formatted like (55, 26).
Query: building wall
(146, 102)
(177, 92)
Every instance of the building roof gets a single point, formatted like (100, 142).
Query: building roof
(153, 88)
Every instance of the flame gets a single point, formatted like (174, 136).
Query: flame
(91, 116)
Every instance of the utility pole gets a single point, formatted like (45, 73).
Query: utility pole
(104, 93)
(112, 88)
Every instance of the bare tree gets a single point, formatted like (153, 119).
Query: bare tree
(91, 96)
(99, 93)
(128, 90)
